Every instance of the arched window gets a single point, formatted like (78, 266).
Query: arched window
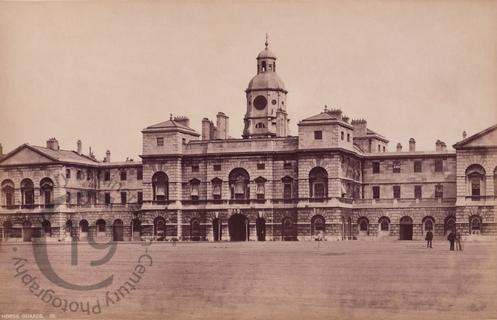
(363, 224)
(159, 228)
(287, 229)
(318, 183)
(160, 187)
(195, 229)
(8, 193)
(46, 190)
(384, 223)
(317, 225)
(239, 181)
(27, 192)
(84, 227)
(118, 230)
(450, 224)
(47, 228)
(263, 66)
(475, 179)
(7, 230)
(474, 225)
(428, 224)
(100, 227)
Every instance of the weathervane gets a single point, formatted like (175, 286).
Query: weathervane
(266, 43)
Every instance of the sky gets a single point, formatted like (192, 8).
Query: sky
(102, 71)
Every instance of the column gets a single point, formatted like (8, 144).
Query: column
(179, 233)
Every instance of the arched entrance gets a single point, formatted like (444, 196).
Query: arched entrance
(405, 229)
(216, 229)
(449, 225)
(428, 225)
(27, 231)
(136, 230)
(118, 230)
(260, 225)
(363, 226)
(238, 227)
(287, 231)
(195, 229)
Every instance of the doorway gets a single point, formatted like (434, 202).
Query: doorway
(260, 225)
(238, 225)
(216, 228)
(405, 231)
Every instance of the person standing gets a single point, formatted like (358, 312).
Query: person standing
(429, 238)
(451, 239)
(458, 241)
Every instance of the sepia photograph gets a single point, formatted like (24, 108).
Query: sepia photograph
(248, 160)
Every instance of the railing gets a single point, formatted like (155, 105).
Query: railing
(480, 198)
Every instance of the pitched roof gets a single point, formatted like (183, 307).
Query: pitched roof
(54, 155)
(169, 124)
(321, 116)
(65, 155)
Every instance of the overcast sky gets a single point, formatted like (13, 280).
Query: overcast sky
(103, 71)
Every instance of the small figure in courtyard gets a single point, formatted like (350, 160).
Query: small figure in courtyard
(458, 241)
(429, 238)
(451, 238)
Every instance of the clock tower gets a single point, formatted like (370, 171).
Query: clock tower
(266, 100)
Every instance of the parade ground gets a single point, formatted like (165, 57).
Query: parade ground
(252, 280)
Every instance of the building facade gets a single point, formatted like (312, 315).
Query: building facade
(335, 180)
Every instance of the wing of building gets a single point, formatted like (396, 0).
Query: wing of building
(335, 180)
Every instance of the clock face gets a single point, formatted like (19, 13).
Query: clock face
(260, 102)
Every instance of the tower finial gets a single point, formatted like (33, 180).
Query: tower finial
(170, 116)
(267, 42)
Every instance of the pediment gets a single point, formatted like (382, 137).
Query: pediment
(485, 138)
(25, 155)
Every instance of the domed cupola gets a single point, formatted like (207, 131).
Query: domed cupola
(266, 100)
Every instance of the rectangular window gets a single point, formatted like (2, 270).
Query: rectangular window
(376, 167)
(139, 197)
(160, 141)
(287, 165)
(123, 175)
(384, 148)
(379, 148)
(68, 197)
(89, 175)
(418, 192)
(318, 135)
(342, 135)
(287, 190)
(217, 167)
(107, 198)
(396, 192)
(124, 197)
(79, 198)
(79, 175)
(475, 187)
(417, 166)
(376, 192)
(68, 173)
(139, 174)
(396, 166)
(216, 191)
(348, 137)
(439, 191)
(439, 165)
(261, 166)
(107, 175)
(195, 168)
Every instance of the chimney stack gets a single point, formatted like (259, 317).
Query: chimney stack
(107, 156)
(222, 125)
(360, 127)
(399, 147)
(412, 145)
(80, 146)
(53, 144)
(184, 121)
(206, 129)
(443, 146)
(438, 146)
(464, 134)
